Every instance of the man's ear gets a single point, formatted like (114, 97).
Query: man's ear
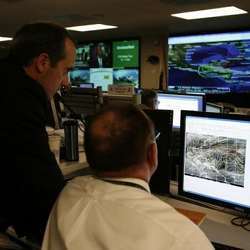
(152, 157)
(42, 62)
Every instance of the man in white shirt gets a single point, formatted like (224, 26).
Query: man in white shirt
(114, 209)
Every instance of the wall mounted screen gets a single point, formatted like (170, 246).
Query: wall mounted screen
(210, 63)
(107, 62)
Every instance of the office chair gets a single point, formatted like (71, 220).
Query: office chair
(82, 101)
(10, 241)
(77, 103)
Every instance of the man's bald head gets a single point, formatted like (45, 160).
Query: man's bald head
(117, 138)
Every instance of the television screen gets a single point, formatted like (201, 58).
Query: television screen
(79, 75)
(130, 76)
(177, 103)
(216, 158)
(125, 54)
(82, 55)
(210, 63)
(107, 62)
(100, 55)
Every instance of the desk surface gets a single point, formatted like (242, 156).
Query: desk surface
(72, 168)
(216, 225)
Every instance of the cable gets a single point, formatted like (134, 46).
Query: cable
(242, 221)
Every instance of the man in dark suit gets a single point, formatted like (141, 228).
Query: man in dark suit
(99, 57)
(41, 55)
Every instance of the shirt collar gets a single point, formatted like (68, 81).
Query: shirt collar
(130, 180)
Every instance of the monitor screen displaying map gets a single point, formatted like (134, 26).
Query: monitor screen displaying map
(209, 63)
(216, 158)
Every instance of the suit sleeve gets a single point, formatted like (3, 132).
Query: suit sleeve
(38, 178)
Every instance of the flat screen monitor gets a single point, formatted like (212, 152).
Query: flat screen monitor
(178, 102)
(107, 62)
(214, 108)
(162, 119)
(216, 159)
(209, 63)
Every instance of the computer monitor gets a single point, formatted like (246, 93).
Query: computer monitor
(214, 108)
(216, 159)
(162, 119)
(178, 102)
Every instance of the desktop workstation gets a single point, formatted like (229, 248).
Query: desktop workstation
(199, 173)
(217, 223)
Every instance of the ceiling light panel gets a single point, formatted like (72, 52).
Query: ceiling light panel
(224, 11)
(91, 27)
(2, 38)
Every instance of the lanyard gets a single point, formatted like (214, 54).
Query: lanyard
(124, 183)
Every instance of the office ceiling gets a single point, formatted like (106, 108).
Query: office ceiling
(134, 17)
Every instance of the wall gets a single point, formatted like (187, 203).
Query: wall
(150, 73)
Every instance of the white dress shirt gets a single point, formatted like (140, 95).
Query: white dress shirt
(93, 214)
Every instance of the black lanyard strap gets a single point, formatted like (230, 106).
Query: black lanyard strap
(125, 183)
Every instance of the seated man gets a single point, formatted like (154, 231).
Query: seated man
(114, 209)
(149, 99)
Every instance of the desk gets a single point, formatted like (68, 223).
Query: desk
(216, 225)
(72, 169)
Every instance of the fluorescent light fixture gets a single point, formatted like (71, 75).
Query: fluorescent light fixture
(91, 27)
(2, 38)
(224, 11)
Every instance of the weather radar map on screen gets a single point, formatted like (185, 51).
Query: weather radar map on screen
(107, 62)
(211, 63)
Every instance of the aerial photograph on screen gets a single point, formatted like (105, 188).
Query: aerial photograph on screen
(82, 55)
(79, 75)
(126, 76)
(210, 67)
(217, 158)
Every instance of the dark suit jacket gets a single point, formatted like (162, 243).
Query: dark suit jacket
(94, 63)
(30, 179)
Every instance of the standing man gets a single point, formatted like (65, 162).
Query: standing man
(114, 209)
(41, 54)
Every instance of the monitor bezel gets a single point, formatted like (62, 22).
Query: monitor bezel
(194, 196)
(160, 180)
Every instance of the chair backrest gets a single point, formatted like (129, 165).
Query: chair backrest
(112, 99)
(83, 101)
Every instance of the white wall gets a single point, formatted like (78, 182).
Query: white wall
(150, 74)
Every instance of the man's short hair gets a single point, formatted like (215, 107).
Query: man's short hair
(148, 96)
(33, 39)
(117, 138)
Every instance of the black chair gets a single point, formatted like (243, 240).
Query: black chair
(10, 241)
(82, 101)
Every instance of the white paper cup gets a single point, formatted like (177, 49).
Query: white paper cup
(54, 144)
